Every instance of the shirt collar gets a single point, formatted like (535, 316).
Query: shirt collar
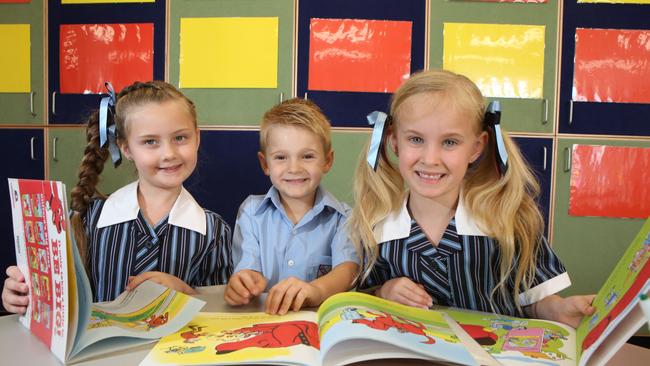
(397, 225)
(122, 206)
(323, 199)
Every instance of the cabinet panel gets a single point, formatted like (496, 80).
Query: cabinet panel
(230, 106)
(523, 115)
(588, 246)
(538, 152)
(22, 150)
(66, 149)
(26, 108)
(75, 108)
(350, 108)
(590, 117)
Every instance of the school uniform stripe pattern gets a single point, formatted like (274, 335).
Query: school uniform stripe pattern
(133, 247)
(461, 271)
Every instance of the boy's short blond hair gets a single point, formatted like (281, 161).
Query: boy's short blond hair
(297, 112)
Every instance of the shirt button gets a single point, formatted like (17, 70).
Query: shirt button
(291, 263)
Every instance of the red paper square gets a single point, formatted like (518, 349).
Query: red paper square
(359, 55)
(610, 181)
(612, 65)
(91, 54)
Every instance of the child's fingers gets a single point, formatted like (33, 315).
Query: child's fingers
(15, 273)
(249, 280)
(299, 300)
(14, 302)
(234, 299)
(19, 287)
(275, 297)
(134, 281)
(288, 299)
(237, 286)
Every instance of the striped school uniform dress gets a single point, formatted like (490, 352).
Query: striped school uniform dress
(191, 243)
(463, 269)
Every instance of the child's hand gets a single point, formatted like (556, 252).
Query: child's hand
(243, 286)
(290, 293)
(161, 278)
(405, 291)
(15, 293)
(568, 310)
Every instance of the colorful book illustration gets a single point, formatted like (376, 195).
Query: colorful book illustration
(515, 341)
(348, 327)
(61, 313)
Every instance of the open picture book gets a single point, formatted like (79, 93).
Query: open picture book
(60, 312)
(352, 327)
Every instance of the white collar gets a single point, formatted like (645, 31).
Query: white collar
(397, 224)
(122, 206)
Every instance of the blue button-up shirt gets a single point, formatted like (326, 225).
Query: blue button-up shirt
(265, 239)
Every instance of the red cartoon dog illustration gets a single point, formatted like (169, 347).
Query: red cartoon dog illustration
(58, 216)
(273, 335)
(192, 335)
(385, 321)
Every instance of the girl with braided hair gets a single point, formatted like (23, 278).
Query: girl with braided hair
(149, 229)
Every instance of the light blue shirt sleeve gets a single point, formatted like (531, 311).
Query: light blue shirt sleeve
(342, 247)
(245, 241)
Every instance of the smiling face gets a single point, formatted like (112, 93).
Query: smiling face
(295, 161)
(162, 140)
(435, 143)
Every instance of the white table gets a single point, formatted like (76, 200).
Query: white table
(18, 347)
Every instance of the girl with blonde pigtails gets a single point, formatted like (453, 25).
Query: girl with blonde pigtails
(451, 219)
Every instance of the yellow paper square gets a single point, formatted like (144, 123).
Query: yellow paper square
(104, 1)
(15, 60)
(229, 52)
(503, 60)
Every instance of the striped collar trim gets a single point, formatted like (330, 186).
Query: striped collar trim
(123, 206)
(397, 225)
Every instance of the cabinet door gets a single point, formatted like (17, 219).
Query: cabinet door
(589, 247)
(231, 105)
(227, 172)
(25, 107)
(98, 36)
(66, 148)
(347, 105)
(22, 150)
(619, 58)
(539, 155)
(532, 114)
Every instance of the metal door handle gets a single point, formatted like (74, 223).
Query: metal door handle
(54, 140)
(567, 159)
(545, 156)
(31, 148)
(53, 103)
(571, 111)
(545, 107)
(31, 103)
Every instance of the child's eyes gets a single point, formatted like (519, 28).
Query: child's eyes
(180, 138)
(450, 143)
(279, 157)
(149, 142)
(416, 139)
(309, 156)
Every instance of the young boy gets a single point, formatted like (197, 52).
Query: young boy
(293, 240)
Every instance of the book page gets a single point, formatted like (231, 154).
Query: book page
(365, 327)
(618, 297)
(241, 338)
(517, 341)
(40, 232)
(149, 311)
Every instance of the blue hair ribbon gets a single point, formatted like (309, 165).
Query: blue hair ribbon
(108, 133)
(493, 119)
(379, 122)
